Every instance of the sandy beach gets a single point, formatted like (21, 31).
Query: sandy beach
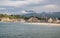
(45, 24)
(51, 24)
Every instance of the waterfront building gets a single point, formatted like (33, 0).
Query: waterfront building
(33, 19)
(50, 20)
(21, 20)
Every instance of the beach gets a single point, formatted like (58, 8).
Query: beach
(51, 24)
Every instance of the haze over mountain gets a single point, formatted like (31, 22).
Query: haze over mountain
(29, 13)
(50, 14)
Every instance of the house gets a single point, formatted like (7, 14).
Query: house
(13, 20)
(56, 20)
(50, 20)
(33, 19)
(21, 20)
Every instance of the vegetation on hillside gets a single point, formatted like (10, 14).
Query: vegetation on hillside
(11, 16)
(19, 16)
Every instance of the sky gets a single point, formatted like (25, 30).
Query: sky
(18, 6)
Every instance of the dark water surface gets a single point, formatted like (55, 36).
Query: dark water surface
(20, 30)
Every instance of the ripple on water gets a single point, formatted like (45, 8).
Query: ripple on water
(19, 30)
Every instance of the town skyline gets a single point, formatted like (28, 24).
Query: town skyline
(25, 19)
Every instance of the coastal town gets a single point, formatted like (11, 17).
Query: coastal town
(32, 19)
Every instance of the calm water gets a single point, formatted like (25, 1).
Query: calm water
(20, 30)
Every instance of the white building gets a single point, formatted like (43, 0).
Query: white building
(22, 20)
(33, 19)
(50, 20)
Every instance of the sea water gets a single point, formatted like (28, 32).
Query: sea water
(21, 30)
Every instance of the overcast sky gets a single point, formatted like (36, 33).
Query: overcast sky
(16, 6)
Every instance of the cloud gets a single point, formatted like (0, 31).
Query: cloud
(34, 1)
(18, 3)
(47, 8)
(13, 3)
(37, 5)
(2, 8)
(23, 12)
(50, 6)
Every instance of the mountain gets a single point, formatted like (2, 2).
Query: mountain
(30, 13)
(53, 14)
(50, 14)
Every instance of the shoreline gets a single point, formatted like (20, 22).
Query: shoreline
(46, 24)
(51, 24)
